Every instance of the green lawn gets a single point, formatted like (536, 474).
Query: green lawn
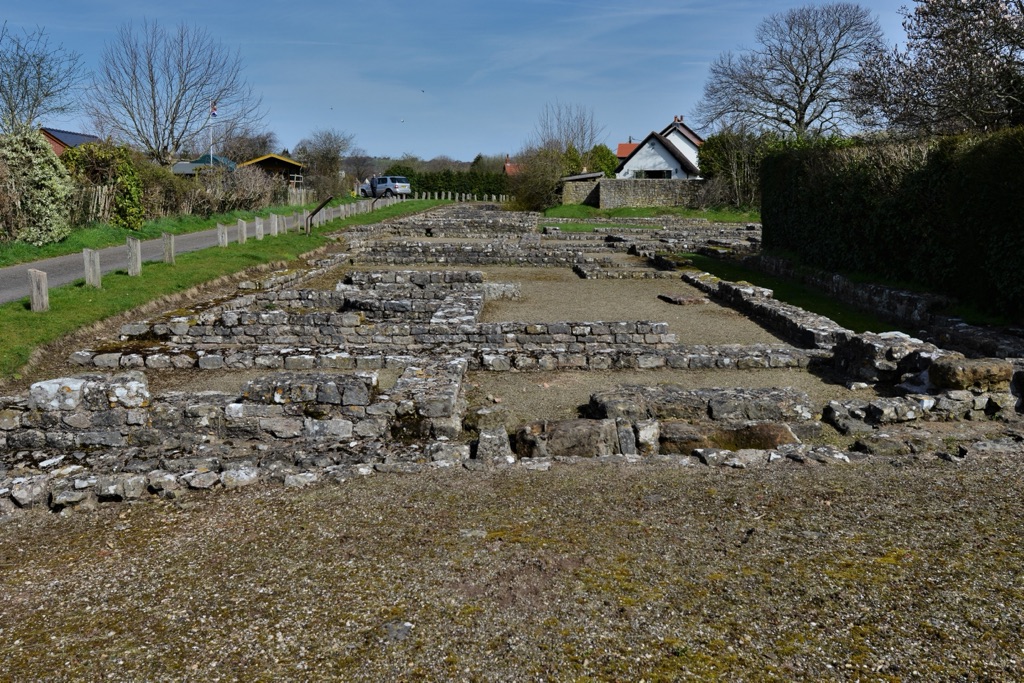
(716, 215)
(75, 306)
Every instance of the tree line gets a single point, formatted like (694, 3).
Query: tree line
(823, 75)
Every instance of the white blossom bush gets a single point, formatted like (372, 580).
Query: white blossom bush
(37, 191)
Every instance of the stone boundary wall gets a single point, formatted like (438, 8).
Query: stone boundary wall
(236, 330)
(586, 192)
(615, 193)
(896, 305)
(594, 272)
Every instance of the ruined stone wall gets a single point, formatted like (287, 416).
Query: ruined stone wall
(495, 253)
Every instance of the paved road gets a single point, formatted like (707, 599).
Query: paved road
(62, 270)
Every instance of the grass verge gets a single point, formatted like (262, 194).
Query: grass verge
(805, 297)
(75, 306)
(715, 215)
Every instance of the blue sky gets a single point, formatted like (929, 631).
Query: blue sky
(446, 77)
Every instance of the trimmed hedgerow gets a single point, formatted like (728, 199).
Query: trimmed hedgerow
(944, 214)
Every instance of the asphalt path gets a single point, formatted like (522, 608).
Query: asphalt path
(63, 270)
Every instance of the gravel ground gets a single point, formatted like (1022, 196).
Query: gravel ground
(586, 572)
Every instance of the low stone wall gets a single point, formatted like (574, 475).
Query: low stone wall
(806, 329)
(495, 253)
(90, 438)
(895, 305)
(478, 221)
(902, 306)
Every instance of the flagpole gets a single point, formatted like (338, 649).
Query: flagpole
(213, 115)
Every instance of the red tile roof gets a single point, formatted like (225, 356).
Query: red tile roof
(625, 149)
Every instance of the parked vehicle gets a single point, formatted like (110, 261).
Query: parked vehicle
(385, 186)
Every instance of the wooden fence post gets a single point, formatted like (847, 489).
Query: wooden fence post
(243, 234)
(93, 274)
(168, 248)
(40, 294)
(134, 257)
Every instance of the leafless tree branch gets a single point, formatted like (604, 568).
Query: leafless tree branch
(155, 89)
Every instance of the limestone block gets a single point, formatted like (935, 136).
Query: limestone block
(976, 374)
(30, 492)
(56, 394)
(713, 456)
(300, 480)
(72, 498)
(680, 437)
(647, 435)
(237, 478)
(580, 438)
(211, 362)
(9, 420)
(493, 447)
(336, 428)
(282, 427)
(201, 480)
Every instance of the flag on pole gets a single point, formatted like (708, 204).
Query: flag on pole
(213, 109)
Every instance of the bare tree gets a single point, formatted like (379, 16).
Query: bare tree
(245, 143)
(165, 90)
(962, 69)
(322, 153)
(797, 80)
(562, 126)
(359, 165)
(36, 79)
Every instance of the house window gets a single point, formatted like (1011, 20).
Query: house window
(654, 175)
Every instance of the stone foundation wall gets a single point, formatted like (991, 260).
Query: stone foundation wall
(806, 329)
(496, 253)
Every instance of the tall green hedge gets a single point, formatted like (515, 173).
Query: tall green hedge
(947, 214)
(459, 182)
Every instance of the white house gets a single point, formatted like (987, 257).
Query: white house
(672, 153)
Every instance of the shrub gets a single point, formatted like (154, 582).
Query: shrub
(102, 164)
(40, 187)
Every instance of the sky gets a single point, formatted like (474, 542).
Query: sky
(451, 78)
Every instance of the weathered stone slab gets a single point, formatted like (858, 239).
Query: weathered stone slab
(975, 374)
(580, 438)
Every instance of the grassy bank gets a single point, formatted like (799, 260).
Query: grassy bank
(98, 236)
(715, 215)
(75, 306)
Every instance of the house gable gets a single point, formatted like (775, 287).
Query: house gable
(657, 154)
(672, 153)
